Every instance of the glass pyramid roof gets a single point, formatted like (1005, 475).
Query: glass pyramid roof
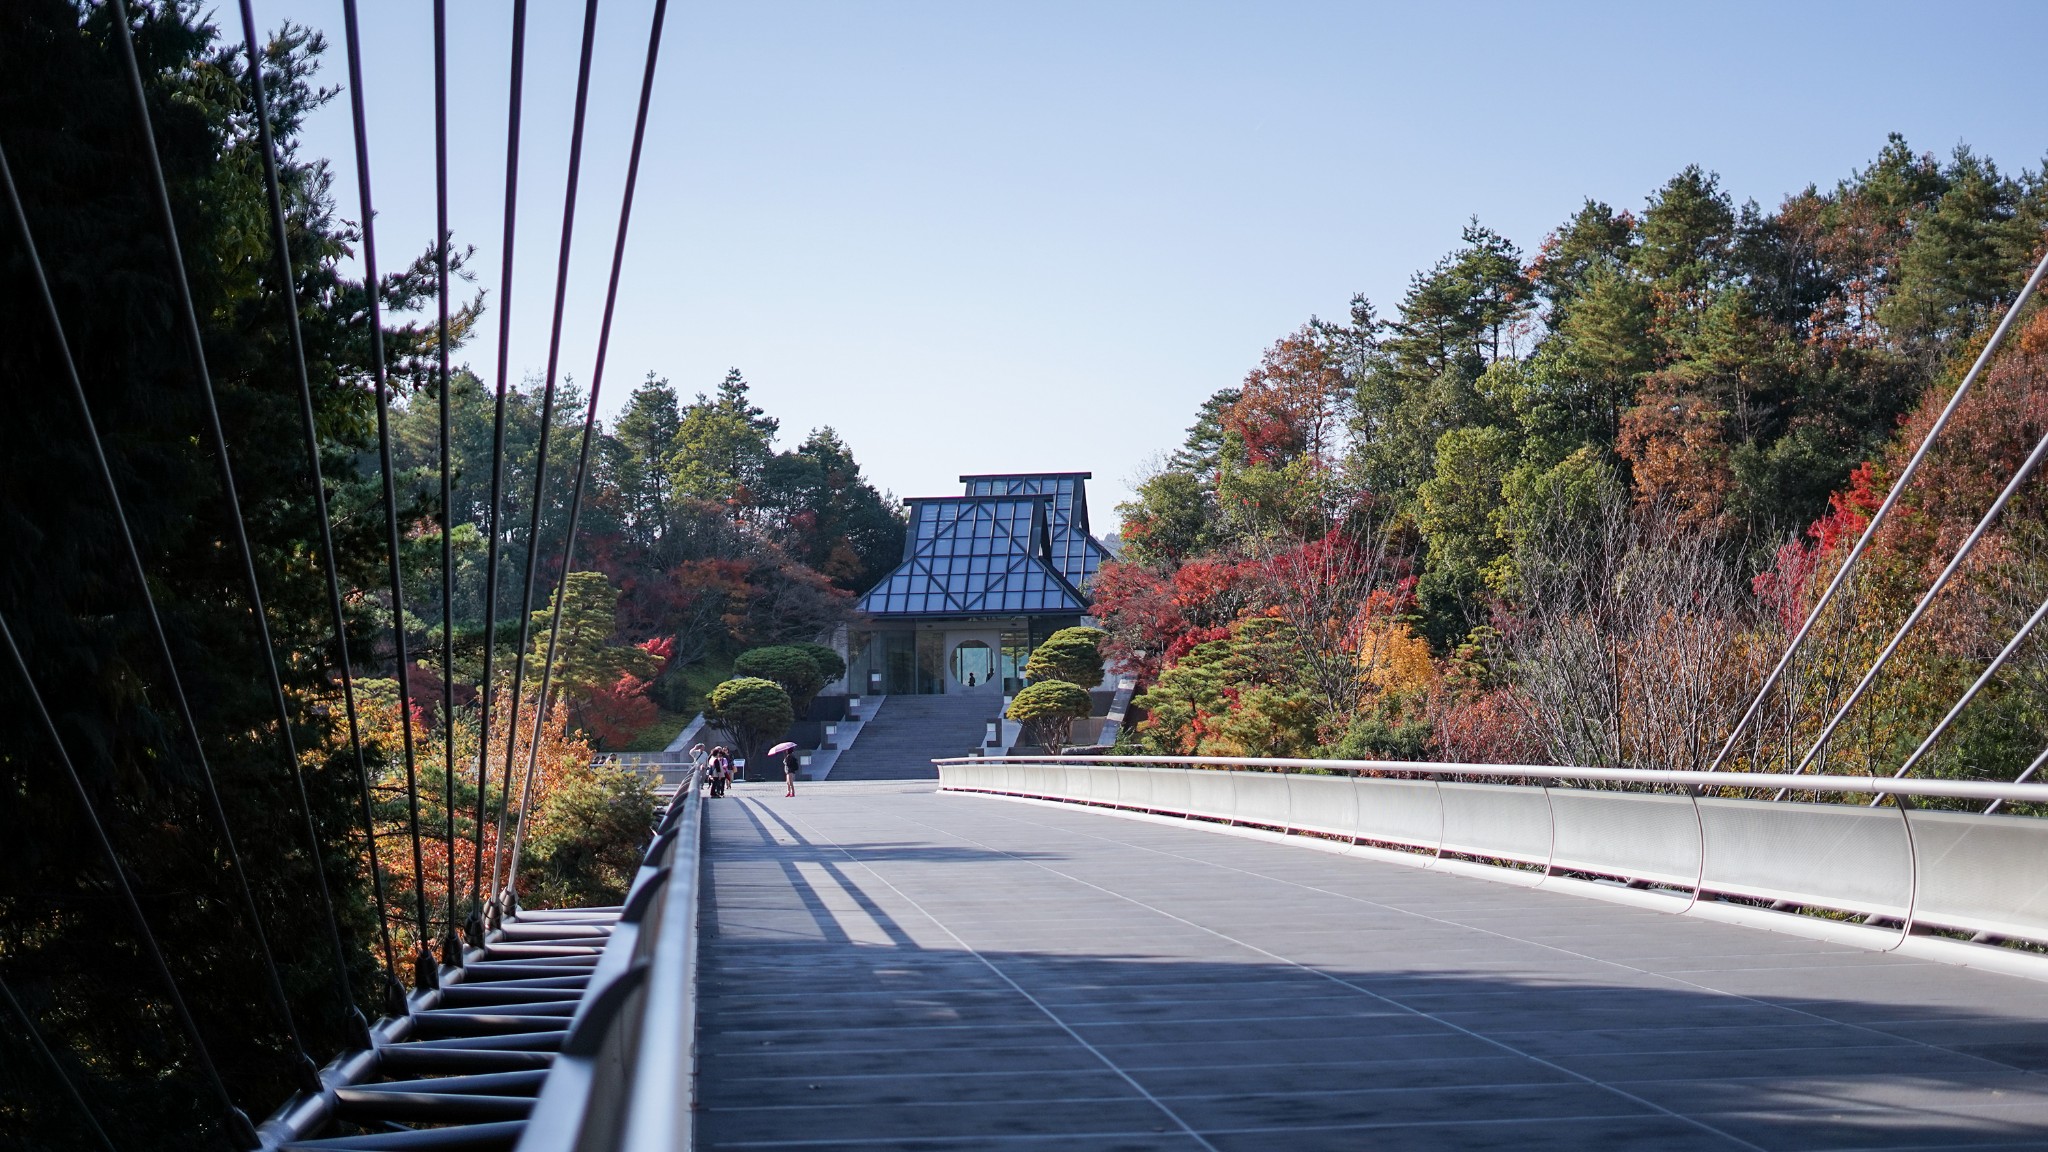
(977, 556)
(1075, 552)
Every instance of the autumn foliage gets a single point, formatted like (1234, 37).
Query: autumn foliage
(1573, 508)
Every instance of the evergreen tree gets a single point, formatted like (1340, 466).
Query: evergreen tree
(646, 433)
(723, 445)
(1595, 237)
(1969, 253)
(1202, 452)
(587, 659)
(1687, 234)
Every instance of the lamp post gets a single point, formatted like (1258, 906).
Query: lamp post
(831, 734)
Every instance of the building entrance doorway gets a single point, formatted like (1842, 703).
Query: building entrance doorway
(974, 664)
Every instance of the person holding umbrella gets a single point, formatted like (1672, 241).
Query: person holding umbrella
(787, 750)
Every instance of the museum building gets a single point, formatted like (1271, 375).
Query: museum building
(985, 577)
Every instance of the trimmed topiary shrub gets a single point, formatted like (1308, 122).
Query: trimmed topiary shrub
(755, 711)
(787, 665)
(1070, 654)
(1047, 710)
(830, 666)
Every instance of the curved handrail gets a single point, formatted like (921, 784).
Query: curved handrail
(1815, 856)
(629, 1069)
(1823, 784)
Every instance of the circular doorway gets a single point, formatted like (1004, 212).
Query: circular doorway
(973, 663)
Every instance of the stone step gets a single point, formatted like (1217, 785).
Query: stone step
(908, 732)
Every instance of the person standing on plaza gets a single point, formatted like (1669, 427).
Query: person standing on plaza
(789, 771)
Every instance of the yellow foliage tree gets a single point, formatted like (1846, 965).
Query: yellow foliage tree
(1392, 658)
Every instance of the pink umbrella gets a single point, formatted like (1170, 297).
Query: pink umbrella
(779, 749)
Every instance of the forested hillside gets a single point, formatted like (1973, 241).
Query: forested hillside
(1567, 504)
(714, 540)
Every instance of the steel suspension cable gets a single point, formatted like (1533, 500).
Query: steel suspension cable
(235, 1120)
(304, 1067)
(483, 756)
(287, 743)
(42, 1047)
(451, 946)
(425, 974)
(1877, 518)
(1969, 544)
(280, 240)
(604, 336)
(547, 418)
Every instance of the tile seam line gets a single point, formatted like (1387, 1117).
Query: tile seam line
(1312, 1066)
(1005, 977)
(764, 1028)
(1335, 979)
(1562, 951)
(1262, 1095)
(918, 1105)
(755, 1049)
(1258, 1130)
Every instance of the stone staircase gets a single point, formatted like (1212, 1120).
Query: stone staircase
(909, 731)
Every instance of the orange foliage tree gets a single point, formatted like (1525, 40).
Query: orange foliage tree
(564, 759)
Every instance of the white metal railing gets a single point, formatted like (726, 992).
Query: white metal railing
(1683, 847)
(664, 770)
(624, 1078)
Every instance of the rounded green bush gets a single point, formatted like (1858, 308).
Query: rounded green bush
(1047, 710)
(754, 710)
(830, 666)
(788, 665)
(1070, 654)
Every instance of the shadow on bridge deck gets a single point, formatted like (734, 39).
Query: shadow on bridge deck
(888, 967)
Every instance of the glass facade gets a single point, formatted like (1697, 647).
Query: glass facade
(985, 578)
(1074, 551)
(896, 662)
(931, 663)
(1016, 651)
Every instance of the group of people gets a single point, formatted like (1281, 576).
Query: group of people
(718, 766)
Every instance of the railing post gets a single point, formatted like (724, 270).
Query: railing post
(1912, 870)
(1442, 820)
(1549, 856)
(1699, 883)
(1357, 809)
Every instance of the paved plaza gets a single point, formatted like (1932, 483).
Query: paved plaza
(885, 966)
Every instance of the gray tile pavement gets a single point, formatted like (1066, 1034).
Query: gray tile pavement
(884, 966)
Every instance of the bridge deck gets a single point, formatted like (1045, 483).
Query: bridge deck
(887, 967)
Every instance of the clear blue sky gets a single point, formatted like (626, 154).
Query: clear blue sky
(1032, 236)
